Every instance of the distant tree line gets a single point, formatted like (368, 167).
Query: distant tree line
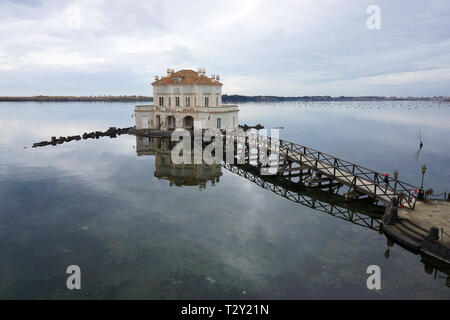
(75, 98)
(240, 98)
(225, 98)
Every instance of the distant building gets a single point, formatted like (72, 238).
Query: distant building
(186, 99)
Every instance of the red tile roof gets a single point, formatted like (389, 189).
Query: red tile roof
(186, 77)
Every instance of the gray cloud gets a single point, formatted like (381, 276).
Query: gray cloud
(258, 47)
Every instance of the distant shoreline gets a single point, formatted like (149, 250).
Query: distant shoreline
(241, 98)
(76, 99)
(225, 98)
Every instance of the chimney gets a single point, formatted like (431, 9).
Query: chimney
(156, 78)
(217, 77)
(213, 76)
(168, 72)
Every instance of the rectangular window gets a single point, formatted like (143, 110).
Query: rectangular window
(160, 89)
(195, 103)
(177, 101)
(170, 101)
(188, 101)
(219, 123)
(206, 89)
(234, 121)
(217, 101)
(161, 101)
(206, 101)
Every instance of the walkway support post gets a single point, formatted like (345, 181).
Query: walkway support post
(396, 179)
(421, 195)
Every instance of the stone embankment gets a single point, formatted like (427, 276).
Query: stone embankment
(112, 132)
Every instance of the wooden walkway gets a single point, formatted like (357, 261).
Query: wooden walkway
(292, 157)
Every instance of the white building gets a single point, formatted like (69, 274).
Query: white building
(186, 99)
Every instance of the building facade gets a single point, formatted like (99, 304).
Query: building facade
(186, 99)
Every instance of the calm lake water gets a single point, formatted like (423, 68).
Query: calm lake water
(137, 233)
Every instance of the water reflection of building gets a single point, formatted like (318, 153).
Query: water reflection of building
(178, 174)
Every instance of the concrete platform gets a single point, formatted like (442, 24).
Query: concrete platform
(412, 228)
(436, 213)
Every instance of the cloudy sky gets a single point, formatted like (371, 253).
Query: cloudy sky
(303, 47)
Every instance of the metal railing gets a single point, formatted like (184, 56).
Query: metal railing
(362, 179)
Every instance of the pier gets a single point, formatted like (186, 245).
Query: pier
(294, 159)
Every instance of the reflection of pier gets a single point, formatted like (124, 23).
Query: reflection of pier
(357, 212)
